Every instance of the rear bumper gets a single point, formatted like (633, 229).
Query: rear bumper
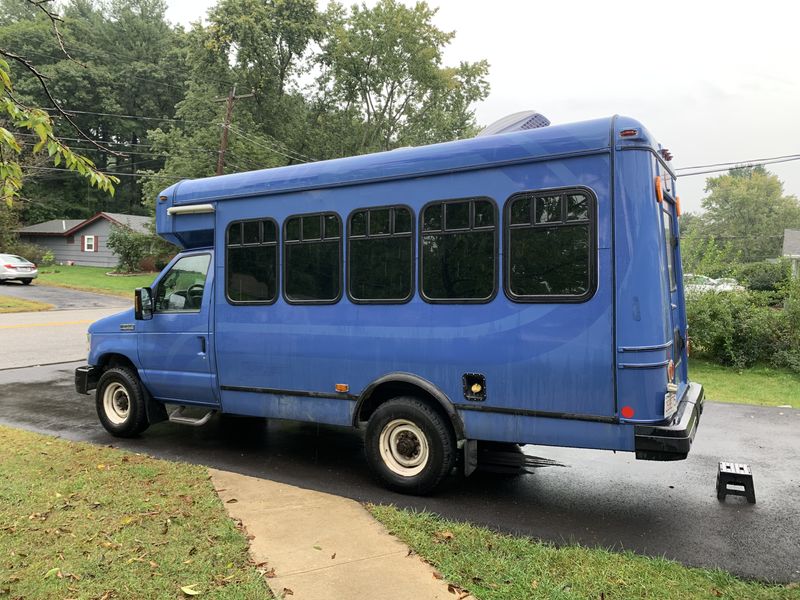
(86, 378)
(673, 440)
(9, 276)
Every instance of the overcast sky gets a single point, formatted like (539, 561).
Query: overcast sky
(713, 81)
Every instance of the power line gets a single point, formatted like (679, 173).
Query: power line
(738, 162)
(266, 146)
(117, 174)
(746, 166)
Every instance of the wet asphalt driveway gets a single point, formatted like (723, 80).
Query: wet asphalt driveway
(63, 298)
(599, 499)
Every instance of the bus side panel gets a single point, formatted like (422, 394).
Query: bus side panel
(547, 358)
(644, 334)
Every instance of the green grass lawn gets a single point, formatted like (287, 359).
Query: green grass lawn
(93, 279)
(502, 567)
(13, 305)
(83, 521)
(756, 385)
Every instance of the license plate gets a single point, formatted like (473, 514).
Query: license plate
(26, 269)
(670, 404)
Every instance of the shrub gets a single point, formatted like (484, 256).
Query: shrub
(32, 252)
(129, 246)
(764, 276)
(743, 328)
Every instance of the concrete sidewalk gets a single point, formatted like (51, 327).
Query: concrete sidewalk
(323, 547)
(40, 338)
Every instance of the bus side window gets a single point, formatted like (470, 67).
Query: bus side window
(550, 246)
(458, 251)
(312, 255)
(251, 269)
(380, 255)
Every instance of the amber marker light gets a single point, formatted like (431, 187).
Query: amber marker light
(678, 211)
(659, 189)
(629, 133)
(342, 387)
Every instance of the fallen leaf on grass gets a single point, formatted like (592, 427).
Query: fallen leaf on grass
(231, 501)
(333, 555)
(287, 592)
(437, 575)
(534, 584)
(54, 572)
(270, 574)
(190, 591)
(444, 536)
(458, 591)
(317, 547)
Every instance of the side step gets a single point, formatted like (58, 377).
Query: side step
(178, 416)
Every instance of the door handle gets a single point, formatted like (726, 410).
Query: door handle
(202, 339)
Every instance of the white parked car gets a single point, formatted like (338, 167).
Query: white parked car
(701, 283)
(14, 267)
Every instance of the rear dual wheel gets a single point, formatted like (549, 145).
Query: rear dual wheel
(410, 446)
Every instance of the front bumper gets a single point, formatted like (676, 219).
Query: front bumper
(673, 440)
(86, 378)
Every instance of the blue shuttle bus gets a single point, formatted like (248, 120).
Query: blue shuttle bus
(523, 288)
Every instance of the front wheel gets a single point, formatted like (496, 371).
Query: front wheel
(409, 446)
(26, 281)
(120, 402)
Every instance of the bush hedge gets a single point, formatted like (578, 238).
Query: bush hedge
(744, 328)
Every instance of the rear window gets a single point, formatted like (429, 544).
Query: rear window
(18, 260)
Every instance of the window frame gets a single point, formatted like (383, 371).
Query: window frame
(243, 245)
(86, 247)
(283, 262)
(443, 230)
(593, 249)
(391, 235)
(166, 272)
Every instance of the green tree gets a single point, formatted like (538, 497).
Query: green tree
(747, 208)
(382, 67)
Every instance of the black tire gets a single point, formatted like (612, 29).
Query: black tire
(26, 281)
(397, 425)
(120, 402)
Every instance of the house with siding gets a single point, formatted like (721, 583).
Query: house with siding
(791, 249)
(82, 242)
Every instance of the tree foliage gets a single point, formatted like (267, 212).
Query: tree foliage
(747, 209)
(130, 247)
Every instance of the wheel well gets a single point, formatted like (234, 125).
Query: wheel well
(393, 389)
(109, 361)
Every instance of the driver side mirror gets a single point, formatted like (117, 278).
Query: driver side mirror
(143, 304)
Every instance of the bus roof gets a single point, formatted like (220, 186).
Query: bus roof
(495, 150)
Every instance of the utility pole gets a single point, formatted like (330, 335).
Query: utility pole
(223, 143)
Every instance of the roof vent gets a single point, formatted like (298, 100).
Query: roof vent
(527, 119)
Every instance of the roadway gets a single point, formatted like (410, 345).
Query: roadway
(599, 499)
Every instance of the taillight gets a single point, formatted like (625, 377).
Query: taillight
(670, 372)
(10, 266)
(34, 265)
(659, 189)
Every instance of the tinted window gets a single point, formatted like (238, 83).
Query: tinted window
(551, 254)
(669, 240)
(381, 256)
(252, 262)
(312, 252)
(458, 263)
(181, 289)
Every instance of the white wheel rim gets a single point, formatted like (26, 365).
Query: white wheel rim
(116, 403)
(404, 447)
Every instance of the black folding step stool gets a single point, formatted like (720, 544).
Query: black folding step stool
(737, 474)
